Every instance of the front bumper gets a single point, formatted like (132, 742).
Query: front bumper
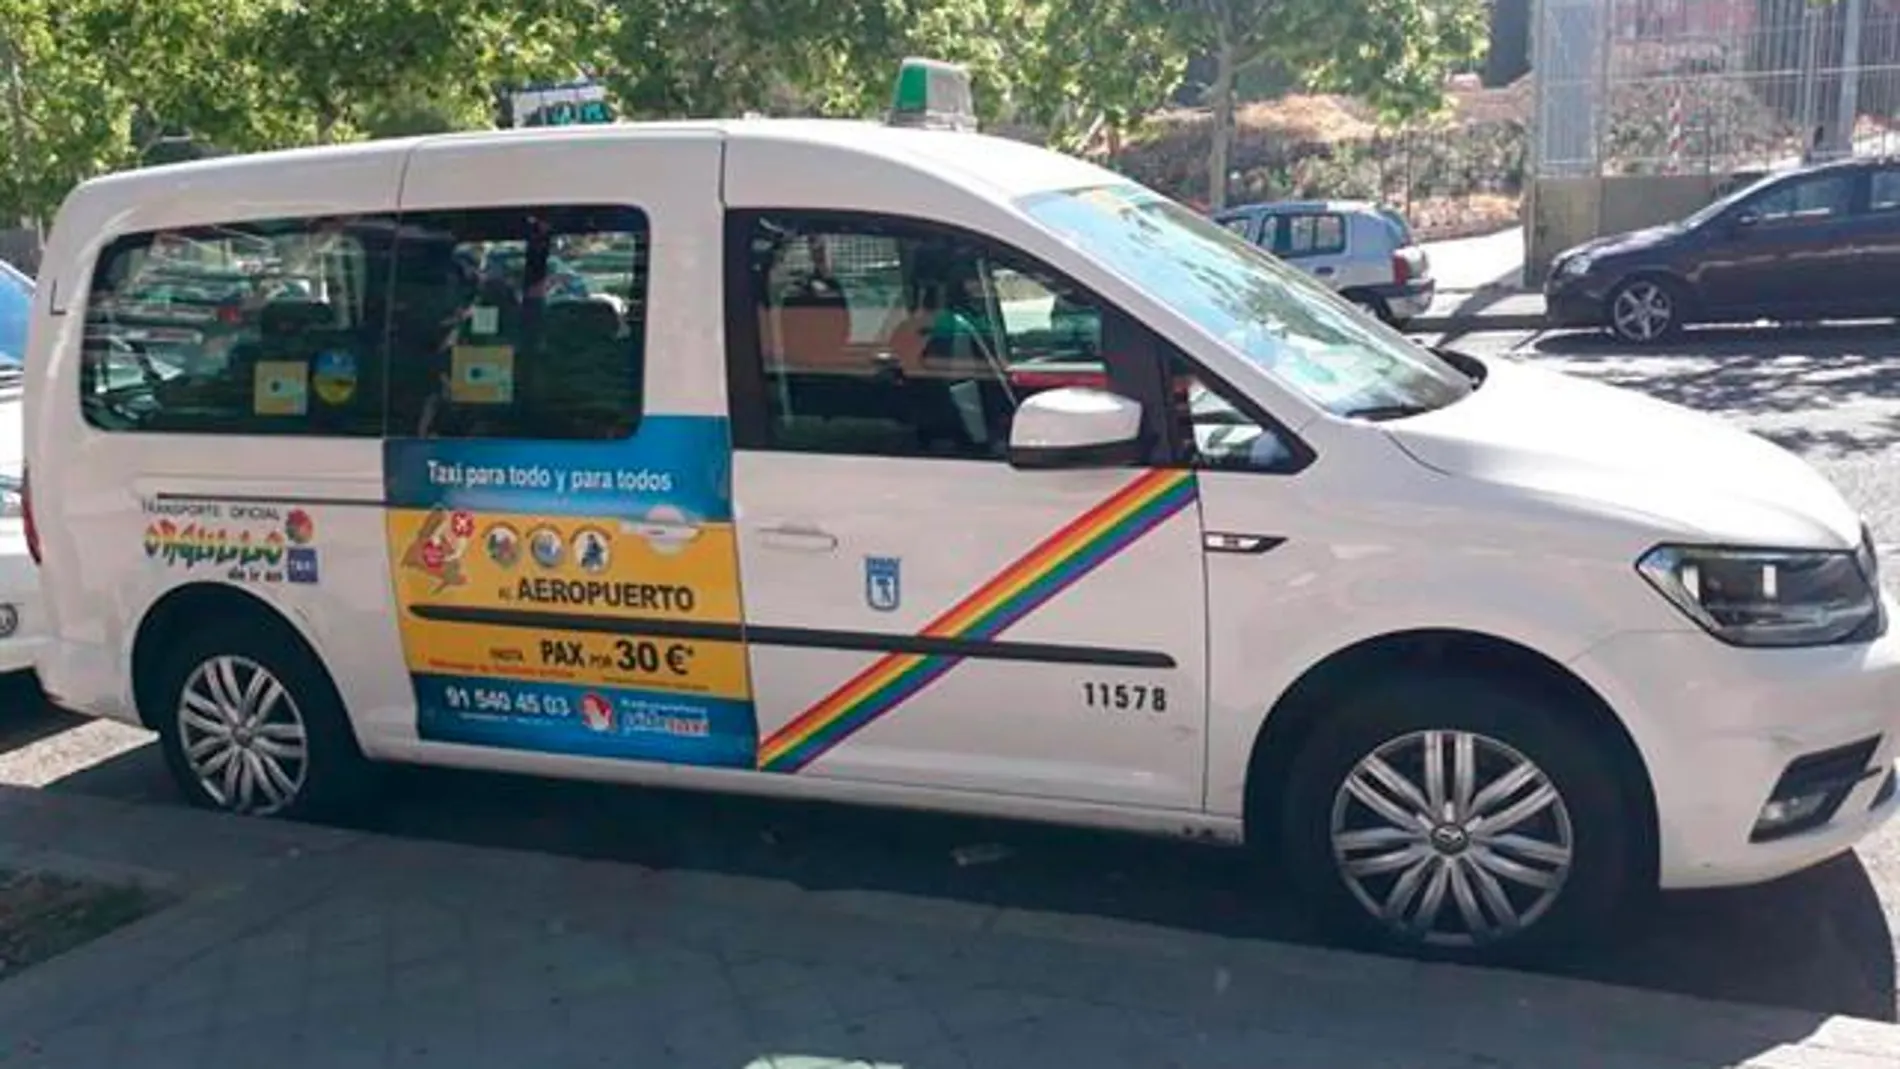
(1576, 301)
(1723, 731)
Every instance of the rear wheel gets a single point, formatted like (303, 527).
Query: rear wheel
(1646, 310)
(1455, 818)
(251, 723)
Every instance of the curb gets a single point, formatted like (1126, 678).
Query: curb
(1471, 324)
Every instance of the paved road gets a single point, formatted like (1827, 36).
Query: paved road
(1820, 941)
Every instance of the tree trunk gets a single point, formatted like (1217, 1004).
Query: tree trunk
(1223, 125)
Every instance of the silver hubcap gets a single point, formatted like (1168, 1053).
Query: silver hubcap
(243, 735)
(1643, 311)
(1451, 838)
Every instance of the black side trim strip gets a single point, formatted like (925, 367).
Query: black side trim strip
(269, 499)
(803, 637)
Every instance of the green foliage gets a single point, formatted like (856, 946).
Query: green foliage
(1392, 53)
(88, 86)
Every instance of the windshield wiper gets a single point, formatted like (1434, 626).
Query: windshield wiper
(1394, 411)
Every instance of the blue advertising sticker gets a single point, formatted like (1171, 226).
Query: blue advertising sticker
(587, 721)
(677, 463)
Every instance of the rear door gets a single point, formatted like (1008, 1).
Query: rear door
(559, 538)
(1315, 242)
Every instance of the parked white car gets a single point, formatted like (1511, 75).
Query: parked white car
(1364, 251)
(19, 577)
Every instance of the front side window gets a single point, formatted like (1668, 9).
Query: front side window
(1287, 325)
(889, 338)
(1214, 432)
(518, 323)
(1818, 197)
(259, 328)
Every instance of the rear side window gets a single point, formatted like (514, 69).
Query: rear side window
(505, 323)
(1317, 234)
(518, 323)
(264, 328)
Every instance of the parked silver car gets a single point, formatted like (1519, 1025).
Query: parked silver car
(1363, 250)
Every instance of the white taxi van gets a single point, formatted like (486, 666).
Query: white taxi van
(887, 462)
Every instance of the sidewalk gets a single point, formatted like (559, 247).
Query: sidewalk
(1480, 286)
(299, 946)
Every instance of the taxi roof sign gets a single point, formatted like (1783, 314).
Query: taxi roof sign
(932, 94)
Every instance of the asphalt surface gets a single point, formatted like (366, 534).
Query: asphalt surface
(1823, 940)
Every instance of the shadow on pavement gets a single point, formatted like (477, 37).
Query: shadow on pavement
(1818, 941)
(1766, 375)
(25, 718)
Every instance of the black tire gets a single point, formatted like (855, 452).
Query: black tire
(1653, 291)
(332, 778)
(1605, 876)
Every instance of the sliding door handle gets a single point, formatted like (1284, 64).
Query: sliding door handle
(799, 536)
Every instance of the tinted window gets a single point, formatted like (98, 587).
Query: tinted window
(1309, 235)
(259, 328)
(1818, 197)
(16, 296)
(518, 323)
(1884, 191)
(886, 338)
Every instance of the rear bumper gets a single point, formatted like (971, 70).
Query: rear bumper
(1407, 300)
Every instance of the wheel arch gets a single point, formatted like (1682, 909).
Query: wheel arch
(183, 607)
(1290, 722)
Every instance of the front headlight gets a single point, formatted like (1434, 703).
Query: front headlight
(1576, 265)
(1752, 597)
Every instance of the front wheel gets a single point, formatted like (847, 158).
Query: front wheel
(1646, 311)
(1458, 819)
(251, 723)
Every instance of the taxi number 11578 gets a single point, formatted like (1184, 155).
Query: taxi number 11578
(1139, 697)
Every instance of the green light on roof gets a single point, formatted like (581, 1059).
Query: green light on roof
(932, 94)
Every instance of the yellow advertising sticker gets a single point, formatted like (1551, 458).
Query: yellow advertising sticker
(280, 388)
(712, 669)
(482, 374)
(620, 568)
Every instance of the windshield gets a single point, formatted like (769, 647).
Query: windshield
(1288, 326)
(16, 293)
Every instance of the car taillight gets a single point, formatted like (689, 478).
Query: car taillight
(26, 514)
(1401, 269)
(230, 315)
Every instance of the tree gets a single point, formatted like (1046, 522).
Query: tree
(1393, 53)
(62, 115)
(1089, 67)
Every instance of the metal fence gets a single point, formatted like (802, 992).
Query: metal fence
(1640, 87)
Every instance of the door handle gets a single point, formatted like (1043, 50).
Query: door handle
(1322, 271)
(799, 536)
(1235, 542)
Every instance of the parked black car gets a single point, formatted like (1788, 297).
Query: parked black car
(1814, 242)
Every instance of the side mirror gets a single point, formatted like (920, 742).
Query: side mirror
(1076, 427)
